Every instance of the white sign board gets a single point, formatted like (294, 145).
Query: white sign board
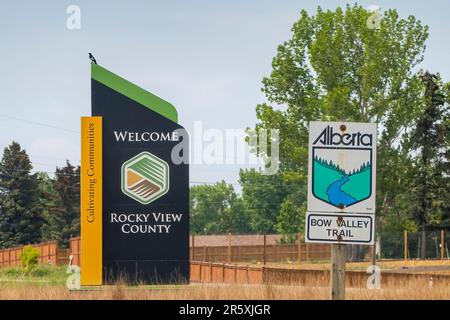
(326, 227)
(342, 165)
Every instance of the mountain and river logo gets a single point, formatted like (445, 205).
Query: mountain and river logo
(145, 177)
(338, 186)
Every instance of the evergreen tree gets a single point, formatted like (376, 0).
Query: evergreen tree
(20, 218)
(63, 218)
(427, 139)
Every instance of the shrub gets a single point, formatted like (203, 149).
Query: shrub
(29, 258)
(10, 272)
(41, 271)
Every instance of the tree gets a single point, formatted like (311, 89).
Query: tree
(262, 196)
(291, 221)
(20, 218)
(216, 209)
(63, 217)
(443, 165)
(291, 218)
(336, 68)
(47, 201)
(427, 139)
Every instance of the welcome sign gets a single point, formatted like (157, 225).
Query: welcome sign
(144, 196)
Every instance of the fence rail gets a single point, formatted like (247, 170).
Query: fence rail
(270, 253)
(254, 248)
(208, 272)
(239, 273)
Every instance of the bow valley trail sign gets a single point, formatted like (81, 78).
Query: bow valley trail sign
(341, 182)
(134, 187)
(337, 227)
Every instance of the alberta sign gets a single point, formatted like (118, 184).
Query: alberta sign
(342, 167)
(134, 196)
(341, 182)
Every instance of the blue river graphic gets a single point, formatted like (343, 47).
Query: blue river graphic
(336, 196)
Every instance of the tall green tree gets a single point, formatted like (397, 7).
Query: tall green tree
(336, 67)
(63, 217)
(291, 218)
(216, 209)
(20, 218)
(263, 196)
(444, 161)
(429, 136)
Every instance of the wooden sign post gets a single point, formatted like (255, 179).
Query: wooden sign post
(337, 275)
(341, 191)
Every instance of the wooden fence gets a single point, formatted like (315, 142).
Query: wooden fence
(49, 253)
(204, 272)
(239, 253)
(75, 250)
(269, 253)
(213, 272)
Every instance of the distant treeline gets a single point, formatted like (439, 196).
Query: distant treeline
(330, 164)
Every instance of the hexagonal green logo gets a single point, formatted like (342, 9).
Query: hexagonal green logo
(145, 177)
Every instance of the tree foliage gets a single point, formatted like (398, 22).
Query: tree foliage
(216, 209)
(262, 196)
(62, 217)
(20, 218)
(336, 68)
(429, 183)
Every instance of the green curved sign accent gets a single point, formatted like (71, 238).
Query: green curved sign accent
(134, 92)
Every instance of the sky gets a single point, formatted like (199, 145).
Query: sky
(205, 57)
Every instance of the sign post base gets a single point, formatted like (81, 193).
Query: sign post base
(337, 273)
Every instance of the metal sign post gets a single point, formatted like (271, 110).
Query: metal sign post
(341, 191)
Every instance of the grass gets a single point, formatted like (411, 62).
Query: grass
(46, 282)
(215, 292)
(41, 274)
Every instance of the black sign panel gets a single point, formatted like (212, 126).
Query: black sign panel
(145, 194)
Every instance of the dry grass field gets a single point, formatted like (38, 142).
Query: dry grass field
(49, 283)
(213, 292)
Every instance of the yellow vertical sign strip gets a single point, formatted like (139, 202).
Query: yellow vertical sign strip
(91, 201)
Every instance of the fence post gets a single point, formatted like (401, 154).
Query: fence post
(193, 246)
(223, 272)
(307, 251)
(442, 244)
(204, 253)
(264, 251)
(299, 251)
(405, 241)
(210, 272)
(229, 247)
(263, 275)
